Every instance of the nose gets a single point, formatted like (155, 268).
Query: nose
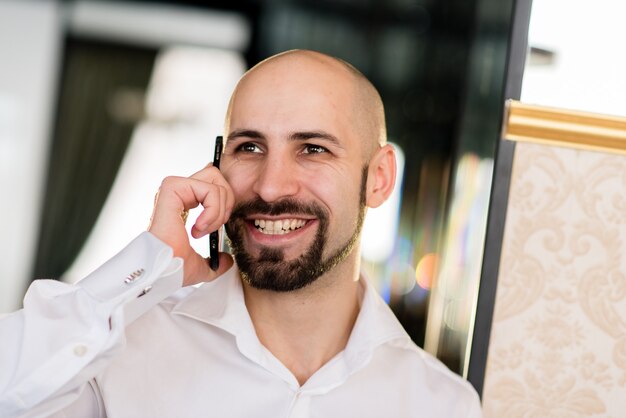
(277, 179)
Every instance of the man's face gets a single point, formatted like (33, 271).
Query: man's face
(296, 166)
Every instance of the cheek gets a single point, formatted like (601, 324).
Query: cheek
(339, 192)
(239, 177)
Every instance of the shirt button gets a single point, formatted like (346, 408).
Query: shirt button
(80, 350)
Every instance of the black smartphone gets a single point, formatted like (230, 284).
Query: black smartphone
(214, 237)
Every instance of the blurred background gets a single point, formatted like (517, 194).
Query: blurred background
(99, 100)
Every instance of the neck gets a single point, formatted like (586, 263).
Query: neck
(306, 328)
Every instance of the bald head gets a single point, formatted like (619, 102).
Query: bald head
(347, 91)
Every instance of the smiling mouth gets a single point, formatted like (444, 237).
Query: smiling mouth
(278, 227)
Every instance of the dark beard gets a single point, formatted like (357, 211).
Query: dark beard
(270, 271)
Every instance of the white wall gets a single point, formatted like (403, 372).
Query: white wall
(30, 34)
(590, 62)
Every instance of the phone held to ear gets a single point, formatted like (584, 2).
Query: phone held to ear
(214, 237)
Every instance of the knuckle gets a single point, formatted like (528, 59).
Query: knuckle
(168, 182)
(214, 170)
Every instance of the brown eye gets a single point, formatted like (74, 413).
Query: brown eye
(249, 147)
(314, 149)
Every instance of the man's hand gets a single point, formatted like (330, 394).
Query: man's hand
(208, 188)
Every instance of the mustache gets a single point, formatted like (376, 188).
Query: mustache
(288, 205)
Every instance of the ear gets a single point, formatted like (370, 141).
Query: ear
(381, 176)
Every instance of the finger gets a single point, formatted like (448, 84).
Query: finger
(177, 194)
(180, 193)
(211, 174)
(211, 217)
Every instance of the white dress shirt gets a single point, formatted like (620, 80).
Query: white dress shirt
(196, 354)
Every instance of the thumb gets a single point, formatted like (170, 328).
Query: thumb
(226, 262)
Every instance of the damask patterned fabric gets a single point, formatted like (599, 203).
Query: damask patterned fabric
(558, 343)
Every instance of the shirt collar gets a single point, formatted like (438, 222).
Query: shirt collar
(221, 304)
(375, 325)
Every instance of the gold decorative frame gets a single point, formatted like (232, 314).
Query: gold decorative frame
(567, 128)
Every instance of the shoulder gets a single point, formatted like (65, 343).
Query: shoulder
(421, 371)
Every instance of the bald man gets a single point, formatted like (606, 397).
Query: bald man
(290, 328)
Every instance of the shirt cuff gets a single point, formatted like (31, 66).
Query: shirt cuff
(66, 335)
(138, 277)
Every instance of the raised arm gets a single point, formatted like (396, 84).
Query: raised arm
(67, 334)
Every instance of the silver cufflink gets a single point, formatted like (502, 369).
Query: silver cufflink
(133, 276)
(144, 291)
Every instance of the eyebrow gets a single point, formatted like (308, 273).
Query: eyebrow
(245, 133)
(295, 136)
(306, 135)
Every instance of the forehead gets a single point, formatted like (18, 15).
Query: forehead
(295, 95)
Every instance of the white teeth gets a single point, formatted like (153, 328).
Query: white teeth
(278, 227)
